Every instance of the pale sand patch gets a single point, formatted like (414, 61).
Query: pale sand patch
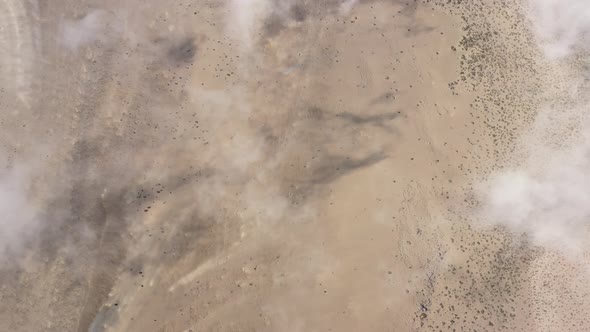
(373, 95)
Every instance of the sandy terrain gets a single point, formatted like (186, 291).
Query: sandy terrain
(225, 165)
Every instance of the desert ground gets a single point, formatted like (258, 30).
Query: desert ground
(289, 165)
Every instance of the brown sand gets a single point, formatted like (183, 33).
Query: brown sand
(317, 177)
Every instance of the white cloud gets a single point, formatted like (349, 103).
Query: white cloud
(547, 196)
(87, 30)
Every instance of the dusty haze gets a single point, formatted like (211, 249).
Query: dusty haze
(294, 165)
